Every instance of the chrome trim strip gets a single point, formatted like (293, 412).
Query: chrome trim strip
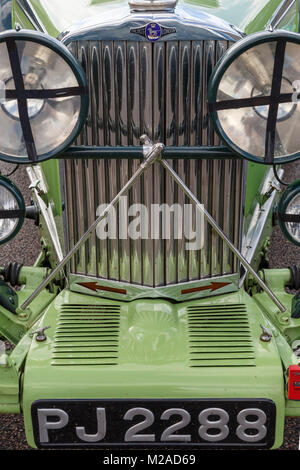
(66, 230)
(136, 151)
(152, 5)
(259, 218)
(173, 292)
(31, 15)
(281, 11)
(189, 21)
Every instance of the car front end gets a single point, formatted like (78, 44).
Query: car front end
(154, 136)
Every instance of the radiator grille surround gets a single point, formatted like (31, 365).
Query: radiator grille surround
(158, 89)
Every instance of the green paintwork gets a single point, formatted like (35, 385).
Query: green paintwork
(256, 173)
(284, 328)
(249, 16)
(9, 387)
(20, 18)
(277, 279)
(295, 309)
(51, 169)
(8, 297)
(11, 370)
(154, 359)
(13, 327)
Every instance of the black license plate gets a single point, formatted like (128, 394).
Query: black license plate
(152, 423)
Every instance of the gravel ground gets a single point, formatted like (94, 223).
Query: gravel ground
(25, 248)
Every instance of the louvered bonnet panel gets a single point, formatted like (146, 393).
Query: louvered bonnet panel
(219, 336)
(87, 335)
(158, 89)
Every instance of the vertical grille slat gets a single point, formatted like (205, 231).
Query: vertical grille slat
(159, 89)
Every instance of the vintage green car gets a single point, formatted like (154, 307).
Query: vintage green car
(155, 136)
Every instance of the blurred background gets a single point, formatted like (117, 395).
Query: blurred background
(5, 16)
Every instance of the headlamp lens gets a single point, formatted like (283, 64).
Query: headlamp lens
(12, 210)
(284, 111)
(254, 97)
(42, 97)
(7, 202)
(12, 109)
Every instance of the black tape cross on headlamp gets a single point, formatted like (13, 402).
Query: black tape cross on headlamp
(254, 97)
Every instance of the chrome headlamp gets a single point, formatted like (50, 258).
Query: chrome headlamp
(254, 96)
(289, 213)
(43, 97)
(12, 210)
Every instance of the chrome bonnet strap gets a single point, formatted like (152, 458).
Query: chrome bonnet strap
(153, 152)
(220, 232)
(151, 156)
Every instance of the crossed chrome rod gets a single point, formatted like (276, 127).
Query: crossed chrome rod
(153, 152)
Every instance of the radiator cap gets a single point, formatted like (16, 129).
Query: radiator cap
(152, 5)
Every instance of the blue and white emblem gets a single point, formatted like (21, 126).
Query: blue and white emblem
(153, 31)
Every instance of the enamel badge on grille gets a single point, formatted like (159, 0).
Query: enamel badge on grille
(153, 31)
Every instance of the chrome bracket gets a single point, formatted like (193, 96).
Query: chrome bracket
(40, 334)
(266, 335)
(39, 187)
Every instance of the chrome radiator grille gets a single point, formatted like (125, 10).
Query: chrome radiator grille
(158, 89)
